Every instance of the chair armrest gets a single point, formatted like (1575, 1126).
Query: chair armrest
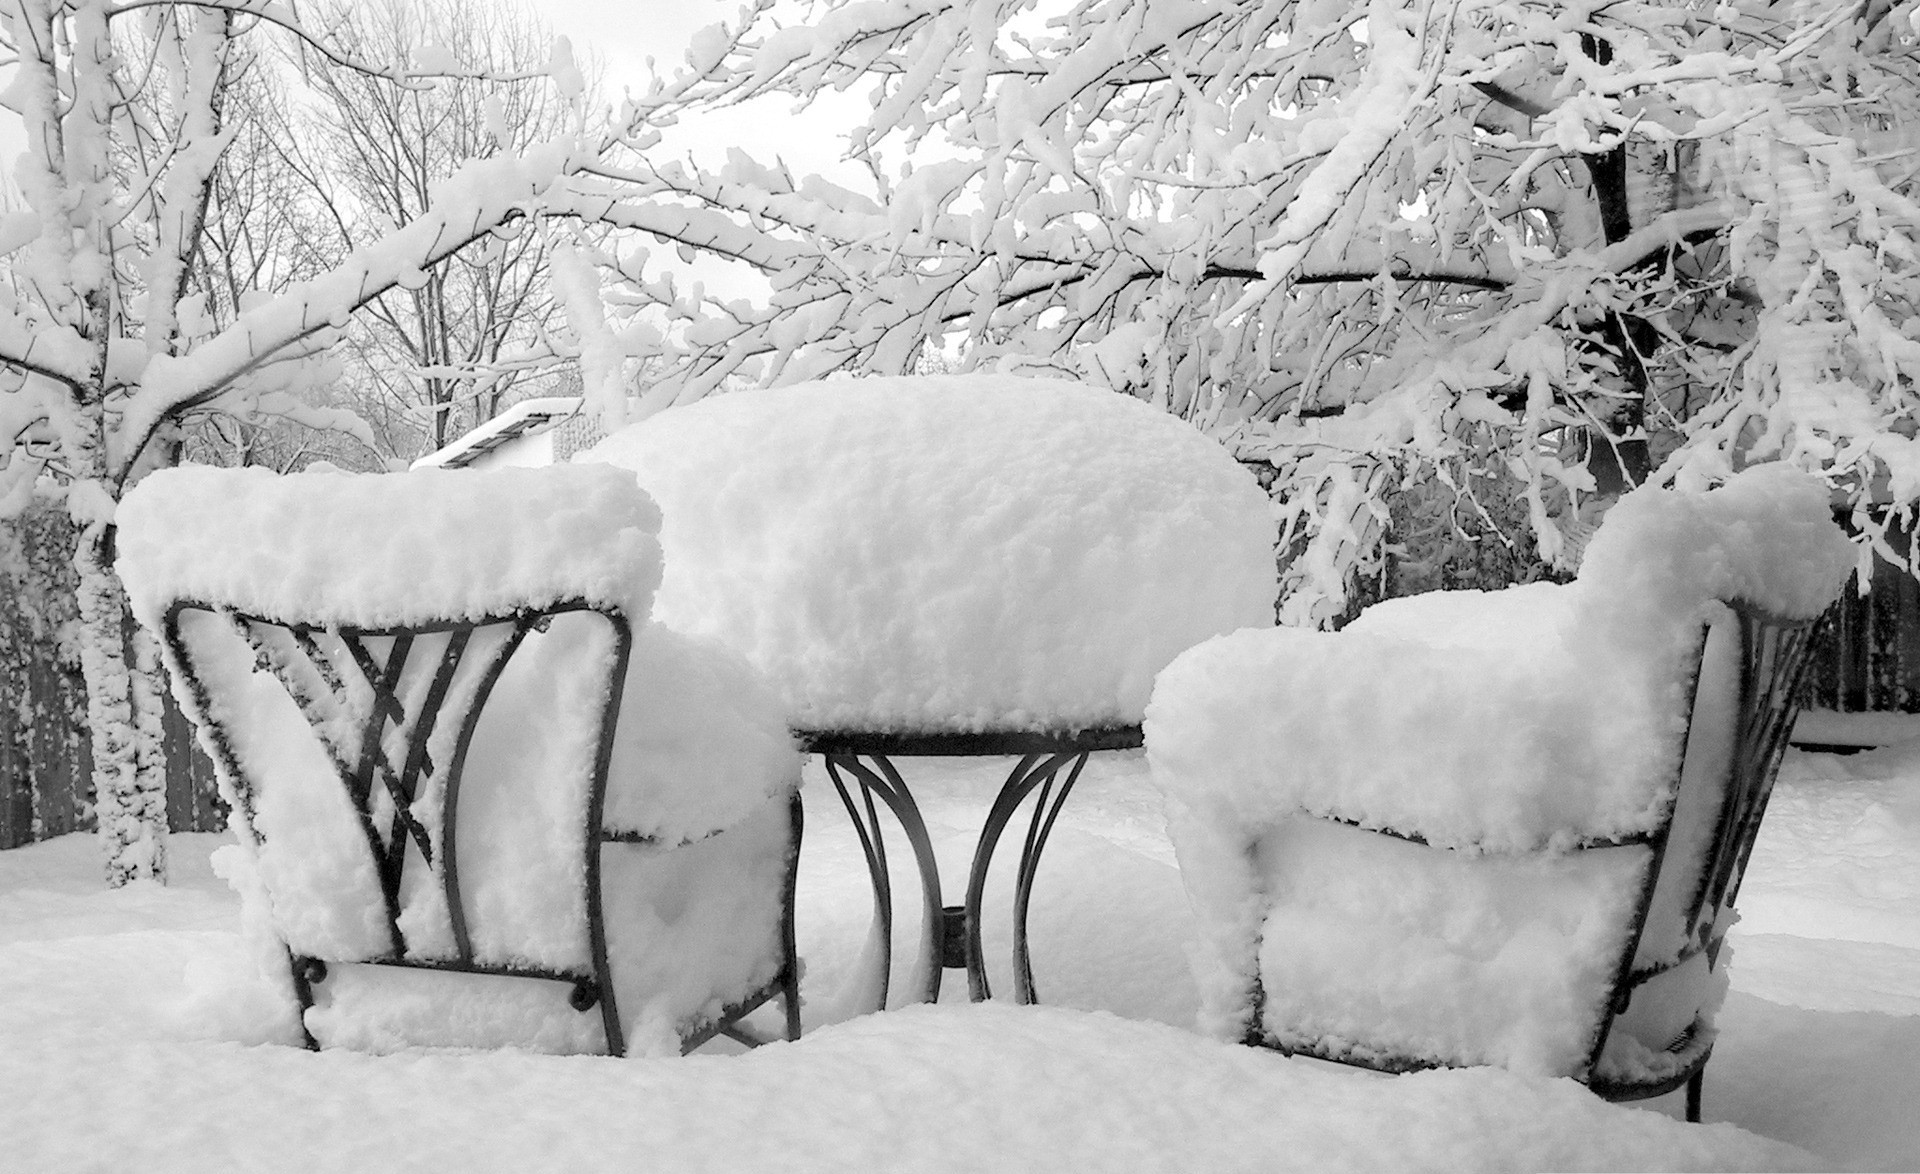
(702, 741)
(1481, 747)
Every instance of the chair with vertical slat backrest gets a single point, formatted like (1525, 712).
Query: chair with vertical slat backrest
(484, 800)
(1504, 827)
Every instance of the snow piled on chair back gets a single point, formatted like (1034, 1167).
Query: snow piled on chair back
(701, 743)
(1534, 716)
(1656, 572)
(1509, 726)
(387, 549)
(1767, 537)
(340, 550)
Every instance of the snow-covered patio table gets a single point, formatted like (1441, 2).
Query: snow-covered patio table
(951, 565)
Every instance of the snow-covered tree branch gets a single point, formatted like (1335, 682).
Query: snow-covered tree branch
(1404, 243)
(450, 348)
(133, 303)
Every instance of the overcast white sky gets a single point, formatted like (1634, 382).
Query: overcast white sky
(627, 32)
(624, 33)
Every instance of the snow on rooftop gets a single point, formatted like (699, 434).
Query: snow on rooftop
(528, 417)
(951, 552)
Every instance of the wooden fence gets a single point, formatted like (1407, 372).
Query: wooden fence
(1866, 653)
(46, 766)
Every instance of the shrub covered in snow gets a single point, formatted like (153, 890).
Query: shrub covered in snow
(951, 552)
(1507, 726)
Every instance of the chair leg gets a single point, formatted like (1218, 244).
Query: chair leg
(789, 936)
(1694, 1086)
(790, 992)
(306, 972)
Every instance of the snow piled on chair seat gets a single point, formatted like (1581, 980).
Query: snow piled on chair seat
(701, 753)
(387, 549)
(691, 930)
(951, 552)
(702, 740)
(1376, 946)
(1509, 726)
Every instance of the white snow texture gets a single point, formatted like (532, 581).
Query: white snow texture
(954, 553)
(701, 746)
(1507, 727)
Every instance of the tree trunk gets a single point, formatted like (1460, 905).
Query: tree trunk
(148, 678)
(130, 796)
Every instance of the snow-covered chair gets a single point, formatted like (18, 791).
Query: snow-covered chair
(481, 799)
(1502, 828)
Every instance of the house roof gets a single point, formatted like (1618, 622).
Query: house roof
(525, 418)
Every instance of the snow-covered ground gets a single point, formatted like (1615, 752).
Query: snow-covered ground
(132, 1035)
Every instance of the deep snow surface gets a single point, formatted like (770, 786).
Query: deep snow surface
(131, 1033)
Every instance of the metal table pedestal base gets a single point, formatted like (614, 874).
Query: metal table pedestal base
(863, 773)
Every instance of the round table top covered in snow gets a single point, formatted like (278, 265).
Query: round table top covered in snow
(956, 553)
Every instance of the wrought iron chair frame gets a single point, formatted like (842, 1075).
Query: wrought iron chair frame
(950, 935)
(592, 986)
(1773, 660)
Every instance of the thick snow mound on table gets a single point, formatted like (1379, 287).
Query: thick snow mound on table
(951, 552)
(387, 549)
(1510, 726)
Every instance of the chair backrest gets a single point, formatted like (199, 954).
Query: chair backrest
(1762, 559)
(1740, 716)
(410, 684)
(425, 796)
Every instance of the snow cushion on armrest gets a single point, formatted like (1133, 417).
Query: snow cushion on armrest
(1514, 720)
(1497, 747)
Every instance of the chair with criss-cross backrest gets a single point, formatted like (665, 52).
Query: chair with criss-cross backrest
(1505, 827)
(482, 799)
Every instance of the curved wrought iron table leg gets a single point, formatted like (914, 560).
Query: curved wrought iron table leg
(883, 780)
(874, 848)
(1037, 833)
(1032, 773)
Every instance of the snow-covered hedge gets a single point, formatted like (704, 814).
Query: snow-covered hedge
(951, 552)
(1508, 725)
